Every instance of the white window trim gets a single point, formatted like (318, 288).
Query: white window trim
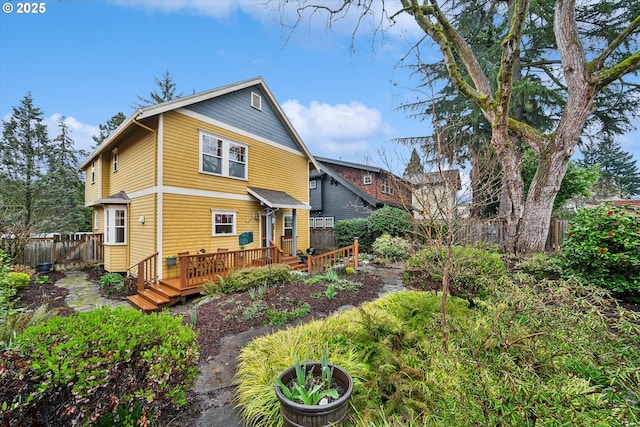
(312, 223)
(319, 222)
(312, 184)
(226, 143)
(367, 180)
(114, 159)
(328, 222)
(256, 101)
(110, 229)
(284, 222)
(214, 212)
(93, 172)
(96, 218)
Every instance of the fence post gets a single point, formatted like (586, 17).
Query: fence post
(355, 253)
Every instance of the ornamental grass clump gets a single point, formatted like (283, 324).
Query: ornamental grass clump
(532, 353)
(602, 248)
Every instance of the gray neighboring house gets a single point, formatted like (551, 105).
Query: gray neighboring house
(345, 190)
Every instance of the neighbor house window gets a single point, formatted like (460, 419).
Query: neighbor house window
(319, 222)
(328, 222)
(287, 224)
(93, 172)
(312, 184)
(114, 159)
(115, 230)
(386, 186)
(366, 179)
(223, 157)
(224, 223)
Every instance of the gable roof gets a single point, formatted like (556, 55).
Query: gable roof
(154, 110)
(276, 199)
(326, 169)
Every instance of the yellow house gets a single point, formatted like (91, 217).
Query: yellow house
(200, 172)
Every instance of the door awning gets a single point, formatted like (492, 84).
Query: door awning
(277, 199)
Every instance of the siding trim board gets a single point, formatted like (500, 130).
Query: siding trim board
(217, 123)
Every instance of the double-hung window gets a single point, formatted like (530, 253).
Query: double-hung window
(287, 224)
(223, 157)
(224, 223)
(115, 225)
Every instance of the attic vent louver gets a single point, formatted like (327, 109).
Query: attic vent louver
(256, 101)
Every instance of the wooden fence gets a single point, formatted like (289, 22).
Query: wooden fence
(323, 239)
(64, 251)
(494, 231)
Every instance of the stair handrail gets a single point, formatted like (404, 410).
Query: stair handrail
(146, 271)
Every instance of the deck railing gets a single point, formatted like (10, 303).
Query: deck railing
(145, 271)
(196, 269)
(347, 256)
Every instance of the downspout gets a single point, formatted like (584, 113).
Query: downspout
(160, 192)
(294, 233)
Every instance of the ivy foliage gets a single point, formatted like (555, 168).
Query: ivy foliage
(78, 369)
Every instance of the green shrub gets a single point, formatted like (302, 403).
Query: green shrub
(7, 290)
(348, 229)
(391, 248)
(394, 221)
(114, 280)
(473, 269)
(77, 369)
(603, 248)
(19, 279)
(243, 280)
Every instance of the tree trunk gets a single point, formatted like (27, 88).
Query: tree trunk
(534, 225)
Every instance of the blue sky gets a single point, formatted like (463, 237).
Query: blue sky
(88, 60)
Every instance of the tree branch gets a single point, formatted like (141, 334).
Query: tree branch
(597, 64)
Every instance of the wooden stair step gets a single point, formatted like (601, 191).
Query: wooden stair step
(166, 290)
(154, 297)
(142, 303)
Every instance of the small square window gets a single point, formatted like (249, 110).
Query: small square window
(256, 101)
(328, 222)
(312, 184)
(367, 179)
(312, 223)
(224, 223)
(319, 222)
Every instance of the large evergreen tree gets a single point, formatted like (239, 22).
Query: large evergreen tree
(108, 128)
(65, 189)
(166, 91)
(619, 173)
(24, 160)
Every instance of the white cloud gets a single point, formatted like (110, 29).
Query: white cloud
(80, 133)
(216, 9)
(342, 131)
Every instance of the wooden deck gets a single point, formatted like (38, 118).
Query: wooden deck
(195, 271)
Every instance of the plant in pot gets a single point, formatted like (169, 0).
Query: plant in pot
(171, 260)
(314, 394)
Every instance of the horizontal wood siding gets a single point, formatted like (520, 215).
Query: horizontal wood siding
(188, 225)
(91, 189)
(340, 202)
(136, 165)
(236, 110)
(142, 237)
(115, 258)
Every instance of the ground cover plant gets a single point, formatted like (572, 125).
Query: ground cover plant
(534, 352)
(78, 369)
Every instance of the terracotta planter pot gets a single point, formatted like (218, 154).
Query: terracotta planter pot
(299, 415)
